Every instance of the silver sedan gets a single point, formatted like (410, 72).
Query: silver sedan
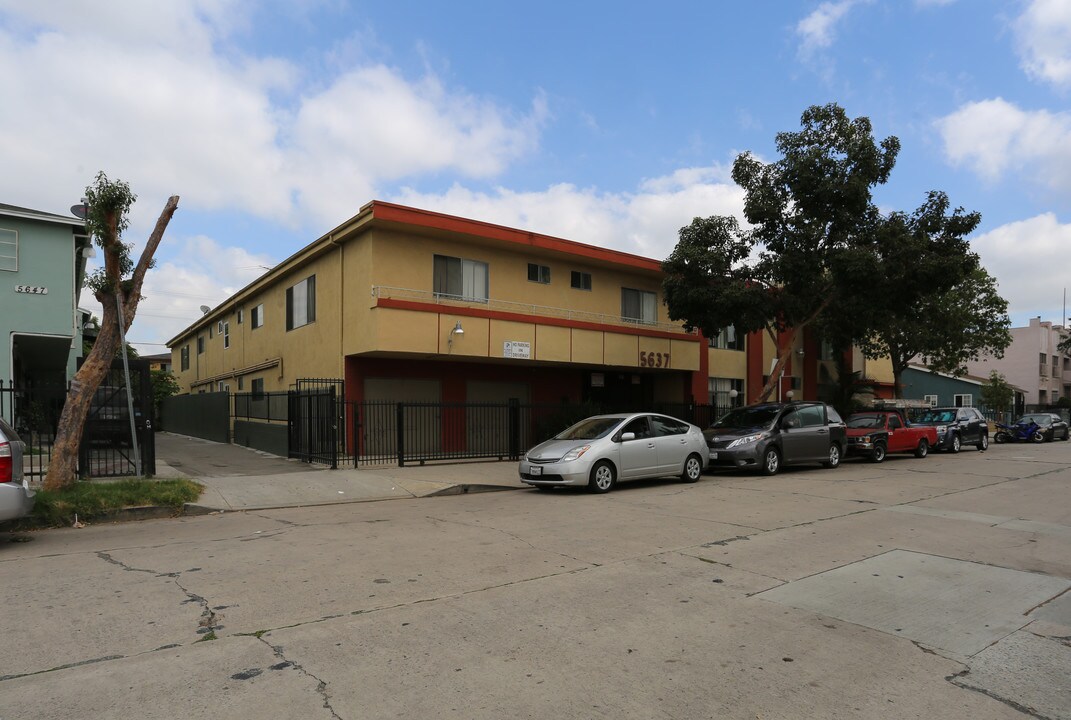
(599, 451)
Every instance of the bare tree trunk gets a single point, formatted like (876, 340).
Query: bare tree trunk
(63, 466)
(775, 374)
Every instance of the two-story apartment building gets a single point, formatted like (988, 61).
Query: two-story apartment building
(42, 264)
(1033, 362)
(410, 305)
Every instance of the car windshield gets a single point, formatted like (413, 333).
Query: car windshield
(1038, 419)
(866, 421)
(937, 416)
(749, 417)
(590, 429)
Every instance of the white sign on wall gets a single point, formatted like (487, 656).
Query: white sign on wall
(517, 350)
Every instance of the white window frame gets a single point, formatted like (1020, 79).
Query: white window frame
(4, 244)
(963, 400)
(301, 304)
(931, 399)
(475, 277)
(648, 306)
(257, 319)
(226, 331)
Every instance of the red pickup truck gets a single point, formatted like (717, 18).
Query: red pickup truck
(875, 433)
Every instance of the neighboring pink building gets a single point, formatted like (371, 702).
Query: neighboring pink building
(1033, 363)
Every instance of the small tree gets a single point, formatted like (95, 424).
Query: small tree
(164, 385)
(811, 220)
(997, 395)
(117, 286)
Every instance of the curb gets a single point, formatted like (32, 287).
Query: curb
(465, 488)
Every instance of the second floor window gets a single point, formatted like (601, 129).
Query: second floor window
(460, 279)
(200, 344)
(727, 339)
(226, 335)
(580, 280)
(257, 316)
(639, 306)
(9, 250)
(301, 303)
(184, 357)
(538, 273)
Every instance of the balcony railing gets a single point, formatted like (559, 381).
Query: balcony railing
(426, 296)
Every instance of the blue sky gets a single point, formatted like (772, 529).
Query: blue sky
(610, 123)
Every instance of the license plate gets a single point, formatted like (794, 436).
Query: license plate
(713, 455)
(535, 470)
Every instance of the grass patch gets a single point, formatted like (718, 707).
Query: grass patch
(90, 499)
(208, 636)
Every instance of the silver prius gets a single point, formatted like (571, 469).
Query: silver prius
(599, 451)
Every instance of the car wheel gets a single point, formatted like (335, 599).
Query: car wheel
(956, 444)
(693, 468)
(879, 453)
(834, 456)
(1067, 433)
(923, 449)
(771, 461)
(983, 444)
(603, 477)
(1037, 437)
(1000, 438)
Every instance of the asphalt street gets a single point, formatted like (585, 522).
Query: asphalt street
(932, 588)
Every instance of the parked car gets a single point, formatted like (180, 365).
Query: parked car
(956, 427)
(1051, 425)
(875, 433)
(600, 450)
(16, 499)
(766, 436)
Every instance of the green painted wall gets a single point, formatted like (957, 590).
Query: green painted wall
(45, 259)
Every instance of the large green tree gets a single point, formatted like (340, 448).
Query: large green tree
(117, 287)
(811, 222)
(997, 395)
(945, 330)
(916, 259)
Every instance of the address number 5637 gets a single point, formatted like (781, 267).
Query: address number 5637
(654, 359)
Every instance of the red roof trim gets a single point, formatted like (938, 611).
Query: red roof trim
(536, 319)
(390, 212)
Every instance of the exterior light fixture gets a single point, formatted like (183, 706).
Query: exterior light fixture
(456, 330)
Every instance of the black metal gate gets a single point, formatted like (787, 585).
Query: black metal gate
(107, 448)
(314, 422)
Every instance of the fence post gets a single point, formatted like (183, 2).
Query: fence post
(514, 429)
(400, 440)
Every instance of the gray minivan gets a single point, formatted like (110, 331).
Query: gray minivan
(766, 436)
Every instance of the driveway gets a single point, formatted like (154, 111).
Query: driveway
(194, 457)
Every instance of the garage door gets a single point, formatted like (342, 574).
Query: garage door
(422, 424)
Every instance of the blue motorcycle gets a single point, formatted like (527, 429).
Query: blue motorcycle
(1019, 432)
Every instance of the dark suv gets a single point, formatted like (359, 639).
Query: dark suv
(956, 427)
(766, 436)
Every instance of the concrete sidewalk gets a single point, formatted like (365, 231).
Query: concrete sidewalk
(328, 487)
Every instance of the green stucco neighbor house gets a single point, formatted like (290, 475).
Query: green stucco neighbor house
(42, 265)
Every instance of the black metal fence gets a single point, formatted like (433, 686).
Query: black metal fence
(33, 411)
(324, 428)
(107, 448)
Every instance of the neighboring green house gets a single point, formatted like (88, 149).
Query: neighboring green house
(42, 266)
(941, 390)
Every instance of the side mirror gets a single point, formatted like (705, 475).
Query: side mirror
(790, 422)
(628, 436)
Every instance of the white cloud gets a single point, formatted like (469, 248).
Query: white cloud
(994, 137)
(817, 30)
(1029, 260)
(1044, 35)
(645, 222)
(165, 103)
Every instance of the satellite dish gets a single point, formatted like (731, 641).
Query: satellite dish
(205, 309)
(79, 211)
